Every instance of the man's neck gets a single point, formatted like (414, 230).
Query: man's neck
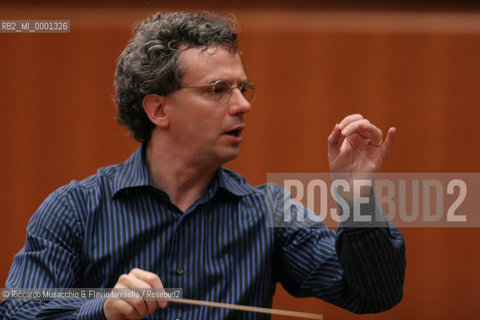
(184, 180)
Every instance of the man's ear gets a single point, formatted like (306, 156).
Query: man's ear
(154, 106)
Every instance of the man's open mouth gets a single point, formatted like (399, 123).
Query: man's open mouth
(234, 133)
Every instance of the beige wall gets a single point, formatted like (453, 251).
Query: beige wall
(418, 72)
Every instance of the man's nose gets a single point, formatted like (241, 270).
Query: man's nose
(238, 103)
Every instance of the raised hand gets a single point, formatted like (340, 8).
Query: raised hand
(361, 154)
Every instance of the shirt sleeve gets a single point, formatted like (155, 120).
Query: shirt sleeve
(50, 259)
(359, 268)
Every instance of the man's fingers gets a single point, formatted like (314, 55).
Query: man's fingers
(349, 119)
(149, 277)
(127, 282)
(139, 280)
(334, 142)
(364, 128)
(389, 141)
(153, 280)
(116, 308)
(122, 310)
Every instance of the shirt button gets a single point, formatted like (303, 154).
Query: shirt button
(178, 319)
(179, 271)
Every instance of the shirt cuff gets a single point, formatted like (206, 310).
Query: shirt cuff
(92, 310)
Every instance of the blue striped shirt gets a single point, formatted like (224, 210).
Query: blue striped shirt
(88, 233)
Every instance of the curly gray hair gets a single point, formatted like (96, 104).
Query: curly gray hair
(149, 63)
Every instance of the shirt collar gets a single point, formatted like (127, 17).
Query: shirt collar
(233, 182)
(133, 173)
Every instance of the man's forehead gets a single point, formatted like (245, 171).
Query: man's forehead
(205, 53)
(203, 60)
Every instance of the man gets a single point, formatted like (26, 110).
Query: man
(171, 216)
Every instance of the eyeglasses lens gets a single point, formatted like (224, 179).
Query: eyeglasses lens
(223, 91)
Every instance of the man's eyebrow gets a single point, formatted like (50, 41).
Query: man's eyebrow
(233, 81)
(237, 81)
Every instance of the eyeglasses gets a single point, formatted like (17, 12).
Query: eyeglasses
(222, 90)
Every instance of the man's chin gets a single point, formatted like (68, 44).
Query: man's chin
(229, 156)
